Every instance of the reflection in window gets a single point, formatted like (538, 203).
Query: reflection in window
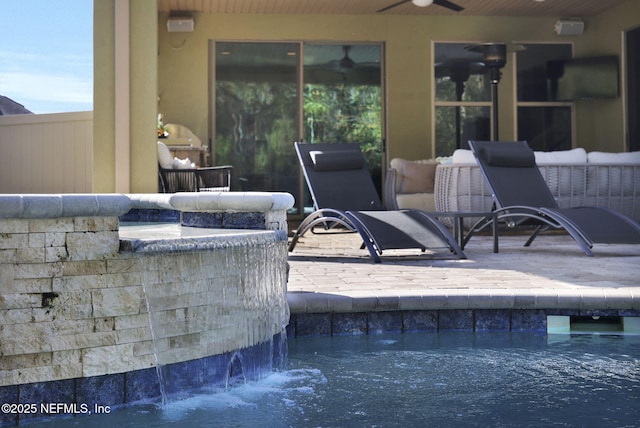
(343, 99)
(533, 68)
(545, 128)
(256, 93)
(544, 124)
(462, 97)
(460, 123)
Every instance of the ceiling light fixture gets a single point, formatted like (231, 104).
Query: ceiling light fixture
(422, 3)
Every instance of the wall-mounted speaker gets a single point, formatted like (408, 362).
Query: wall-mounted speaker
(569, 27)
(180, 24)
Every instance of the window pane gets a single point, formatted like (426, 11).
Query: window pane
(460, 124)
(460, 74)
(256, 110)
(545, 128)
(343, 99)
(533, 76)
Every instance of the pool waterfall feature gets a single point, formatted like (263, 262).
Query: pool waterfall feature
(93, 305)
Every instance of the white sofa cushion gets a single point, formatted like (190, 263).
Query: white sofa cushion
(164, 156)
(573, 156)
(614, 158)
(463, 156)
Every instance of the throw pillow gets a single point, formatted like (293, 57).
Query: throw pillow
(164, 156)
(416, 177)
(182, 164)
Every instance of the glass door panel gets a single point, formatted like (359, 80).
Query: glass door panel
(342, 87)
(256, 112)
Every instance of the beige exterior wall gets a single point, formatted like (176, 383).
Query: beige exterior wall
(183, 65)
(170, 74)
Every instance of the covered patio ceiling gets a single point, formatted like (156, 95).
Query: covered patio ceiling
(554, 8)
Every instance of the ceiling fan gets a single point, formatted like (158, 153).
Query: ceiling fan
(353, 66)
(346, 62)
(424, 3)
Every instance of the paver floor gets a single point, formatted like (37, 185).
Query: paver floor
(329, 271)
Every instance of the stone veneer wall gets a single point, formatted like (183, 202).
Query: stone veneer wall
(73, 304)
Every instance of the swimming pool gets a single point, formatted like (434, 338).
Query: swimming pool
(431, 379)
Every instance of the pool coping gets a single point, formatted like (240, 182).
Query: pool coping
(499, 298)
(331, 277)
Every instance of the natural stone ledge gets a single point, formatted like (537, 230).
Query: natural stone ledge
(214, 201)
(104, 205)
(64, 205)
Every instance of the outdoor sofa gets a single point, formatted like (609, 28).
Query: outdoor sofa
(575, 178)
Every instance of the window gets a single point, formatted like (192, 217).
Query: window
(545, 125)
(257, 109)
(255, 114)
(462, 97)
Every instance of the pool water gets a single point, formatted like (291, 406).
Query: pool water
(422, 380)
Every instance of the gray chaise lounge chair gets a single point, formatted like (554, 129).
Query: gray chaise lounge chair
(523, 197)
(344, 194)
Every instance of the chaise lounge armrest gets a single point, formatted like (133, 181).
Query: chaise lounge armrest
(389, 194)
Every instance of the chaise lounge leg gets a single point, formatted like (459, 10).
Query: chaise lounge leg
(533, 236)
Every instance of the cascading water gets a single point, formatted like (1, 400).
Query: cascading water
(163, 392)
(219, 304)
(235, 373)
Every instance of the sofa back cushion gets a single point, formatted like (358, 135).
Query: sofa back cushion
(414, 176)
(614, 158)
(574, 156)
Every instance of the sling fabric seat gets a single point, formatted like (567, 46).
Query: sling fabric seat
(522, 197)
(344, 196)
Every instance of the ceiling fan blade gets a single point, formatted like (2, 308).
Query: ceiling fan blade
(448, 5)
(393, 5)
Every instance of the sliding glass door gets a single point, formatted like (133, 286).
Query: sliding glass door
(256, 92)
(268, 95)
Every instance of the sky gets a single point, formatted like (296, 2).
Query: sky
(46, 54)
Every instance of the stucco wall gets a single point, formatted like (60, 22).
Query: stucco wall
(183, 65)
(125, 96)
